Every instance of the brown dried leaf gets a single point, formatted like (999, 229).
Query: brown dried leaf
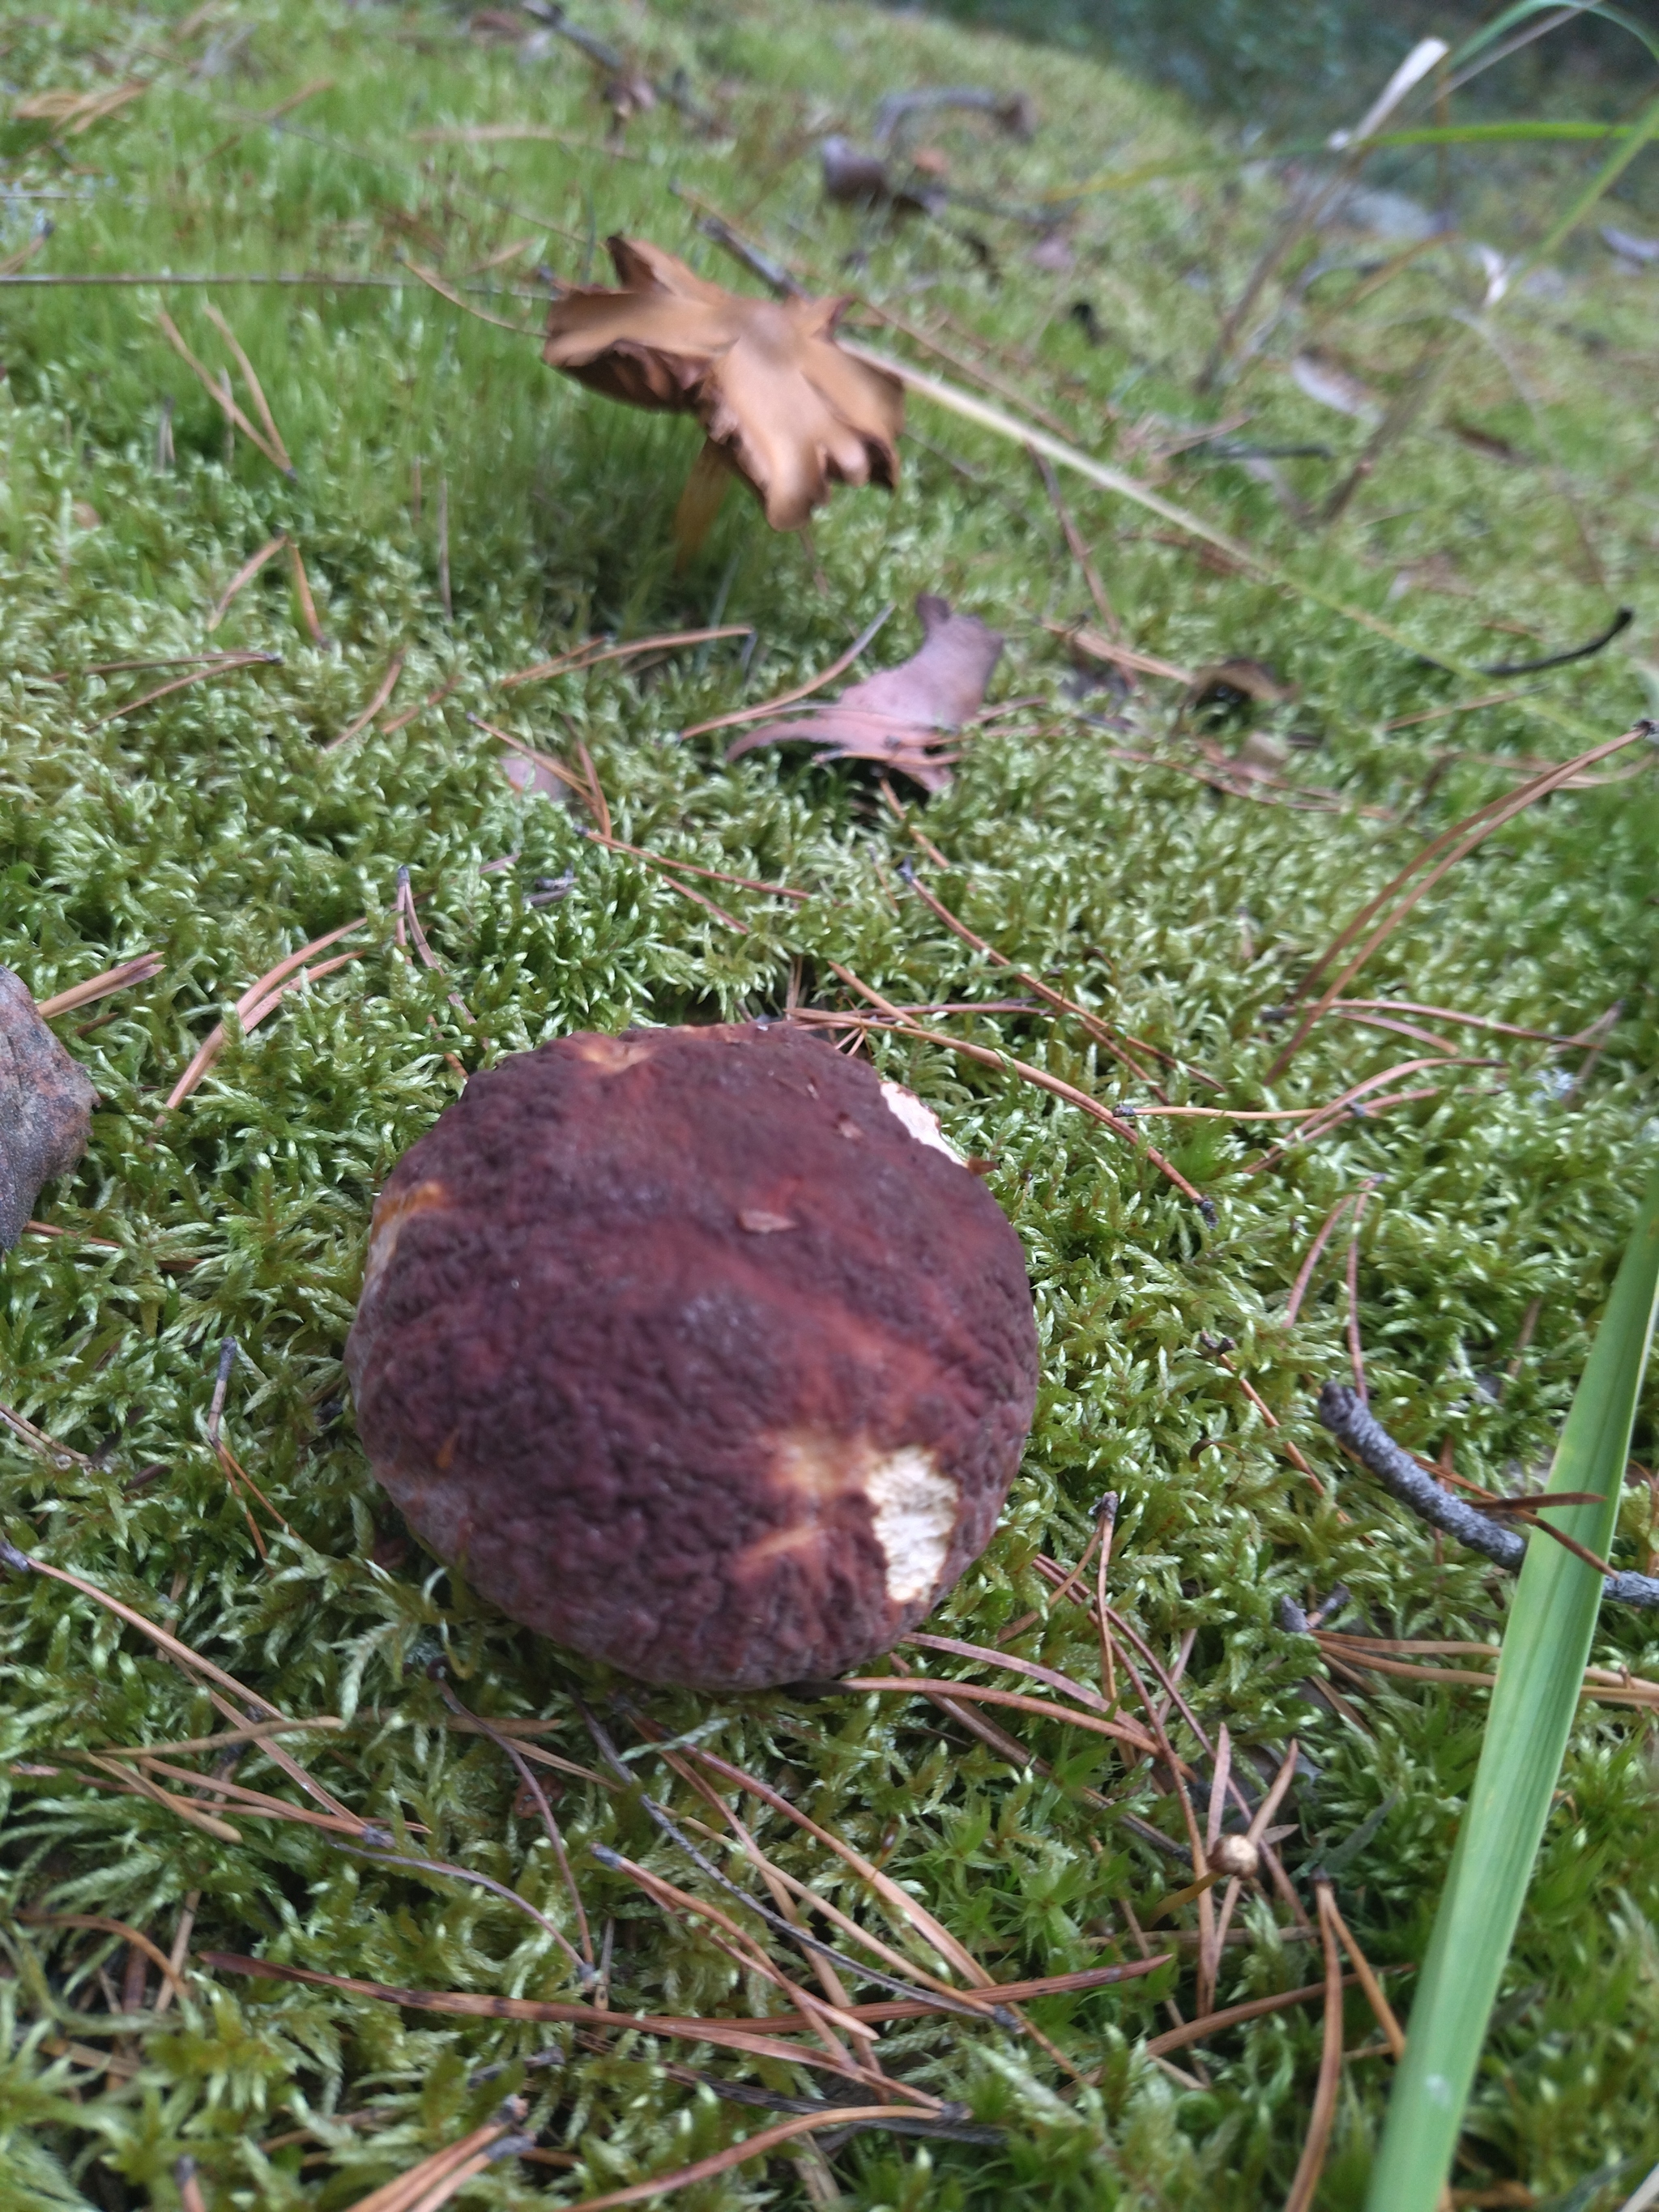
(791, 412)
(1227, 683)
(896, 717)
(45, 1107)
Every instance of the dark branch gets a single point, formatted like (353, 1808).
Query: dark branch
(1345, 1413)
(1621, 620)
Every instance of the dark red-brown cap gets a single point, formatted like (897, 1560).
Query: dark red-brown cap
(693, 1354)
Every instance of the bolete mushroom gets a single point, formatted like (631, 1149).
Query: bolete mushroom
(696, 1350)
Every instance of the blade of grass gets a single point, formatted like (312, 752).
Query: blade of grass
(1536, 1696)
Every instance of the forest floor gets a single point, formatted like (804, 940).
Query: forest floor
(1416, 467)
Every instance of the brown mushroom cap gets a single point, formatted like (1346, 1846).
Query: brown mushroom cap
(692, 1355)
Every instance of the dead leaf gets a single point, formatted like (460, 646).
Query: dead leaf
(790, 412)
(897, 716)
(1228, 684)
(859, 179)
(45, 1107)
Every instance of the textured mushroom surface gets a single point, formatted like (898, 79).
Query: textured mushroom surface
(696, 1351)
(45, 1107)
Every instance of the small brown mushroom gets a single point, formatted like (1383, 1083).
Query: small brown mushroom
(697, 1350)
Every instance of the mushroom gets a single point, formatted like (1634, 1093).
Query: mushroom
(696, 1350)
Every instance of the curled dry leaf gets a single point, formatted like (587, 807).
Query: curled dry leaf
(45, 1107)
(896, 717)
(1225, 684)
(786, 408)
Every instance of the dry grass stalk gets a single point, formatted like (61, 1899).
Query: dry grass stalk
(1311, 2165)
(1078, 550)
(800, 691)
(302, 590)
(527, 1775)
(220, 394)
(908, 1910)
(1436, 858)
(1365, 1974)
(222, 665)
(1091, 1023)
(978, 1693)
(1005, 1063)
(175, 1648)
(1097, 646)
(588, 655)
(383, 691)
(249, 569)
(1217, 2023)
(139, 969)
(410, 713)
(690, 868)
(256, 1002)
(1395, 1656)
(414, 2191)
(99, 1926)
(436, 283)
(755, 2146)
(255, 388)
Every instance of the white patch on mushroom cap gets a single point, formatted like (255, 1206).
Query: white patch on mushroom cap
(913, 1507)
(920, 1121)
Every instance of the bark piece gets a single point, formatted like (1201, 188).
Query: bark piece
(693, 1353)
(790, 412)
(898, 716)
(45, 1107)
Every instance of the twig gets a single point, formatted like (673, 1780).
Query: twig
(1620, 622)
(1311, 2165)
(1355, 1428)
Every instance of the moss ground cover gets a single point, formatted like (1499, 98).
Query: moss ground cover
(457, 504)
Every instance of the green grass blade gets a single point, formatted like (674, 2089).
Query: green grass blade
(1536, 1696)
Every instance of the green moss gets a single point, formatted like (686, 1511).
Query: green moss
(211, 826)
